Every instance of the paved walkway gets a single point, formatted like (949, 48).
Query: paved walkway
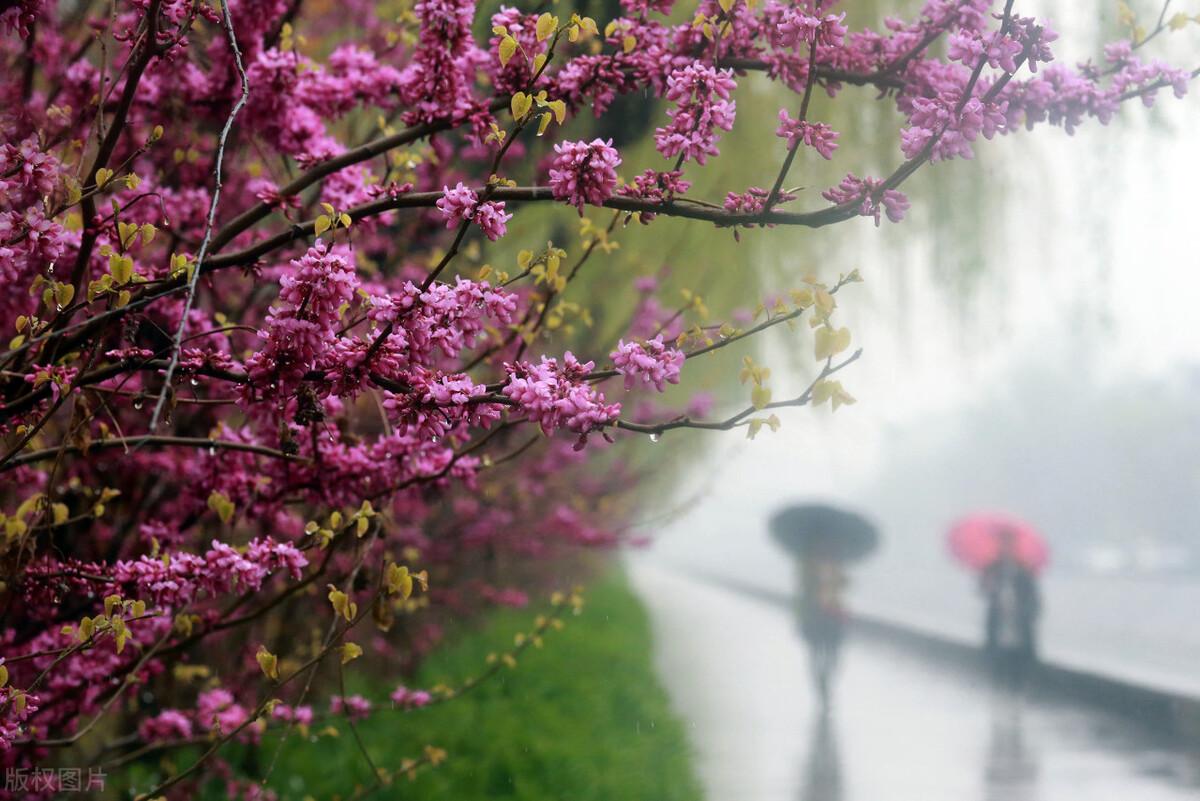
(903, 728)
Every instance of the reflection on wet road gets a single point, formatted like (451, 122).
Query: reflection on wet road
(903, 727)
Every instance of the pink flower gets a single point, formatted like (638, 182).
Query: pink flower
(652, 364)
(461, 203)
(300, 715)
(661, 187)
(410, 699)
(700, 405)
(703, 98)
(355, 706)
(302, 327)
(216, 710)
(798, 27)
(817, 135)
(872, 199)
(557, 395)
(584, 172)
(457, 204)
(492, 220)
(170, 724)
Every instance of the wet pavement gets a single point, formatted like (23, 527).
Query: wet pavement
(904, 727)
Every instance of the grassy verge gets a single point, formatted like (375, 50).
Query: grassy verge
(582, 718)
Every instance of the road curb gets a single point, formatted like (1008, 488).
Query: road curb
(1169, 713)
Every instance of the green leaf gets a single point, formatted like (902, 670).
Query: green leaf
(508, 46)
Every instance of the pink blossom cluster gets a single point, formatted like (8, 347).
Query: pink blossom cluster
(584, 172)
(438, 405)
(872, 199)
(817, 135)
(355, 706)
(177, 580)
(436, 81)
(703, 99)
(517, 74)
(170, 724)
(14, 716)
(753, 200)
(461, 203)
(406, 698)
(302, 328)
(998, 52)
(799, 28)
(948, 129)
(660, 187)
(301, 715)
(217, 710)
(557, 395)
(30, 241)
(651, 363)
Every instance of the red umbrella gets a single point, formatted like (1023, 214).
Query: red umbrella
(977, 539)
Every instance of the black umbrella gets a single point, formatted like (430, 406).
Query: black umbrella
(824, 532)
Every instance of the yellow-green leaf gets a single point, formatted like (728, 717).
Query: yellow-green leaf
(268, 662)
(342, 604)
(546, 25)
(64, 293)
(829, 342)
(521, 103)
(322, 224)
(508, 46)
(350, 652)
(760, 397)
(121, 269)
(127, 232)
(219, 502)
(399, 581)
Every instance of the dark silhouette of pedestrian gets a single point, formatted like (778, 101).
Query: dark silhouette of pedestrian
(822, 616)
(1013, 607)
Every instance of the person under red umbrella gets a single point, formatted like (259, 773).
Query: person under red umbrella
(1013, 606)
(1008, 553)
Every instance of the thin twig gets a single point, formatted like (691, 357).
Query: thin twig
(176, 350)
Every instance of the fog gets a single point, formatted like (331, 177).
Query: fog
(1029, 344)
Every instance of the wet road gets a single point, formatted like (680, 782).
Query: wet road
(903, 728)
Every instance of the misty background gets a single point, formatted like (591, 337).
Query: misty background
(1030, 345)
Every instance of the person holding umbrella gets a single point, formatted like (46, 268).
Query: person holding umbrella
(1008, 553)
(824, 540)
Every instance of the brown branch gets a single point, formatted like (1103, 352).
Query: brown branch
(149, 439)
(657, 429)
